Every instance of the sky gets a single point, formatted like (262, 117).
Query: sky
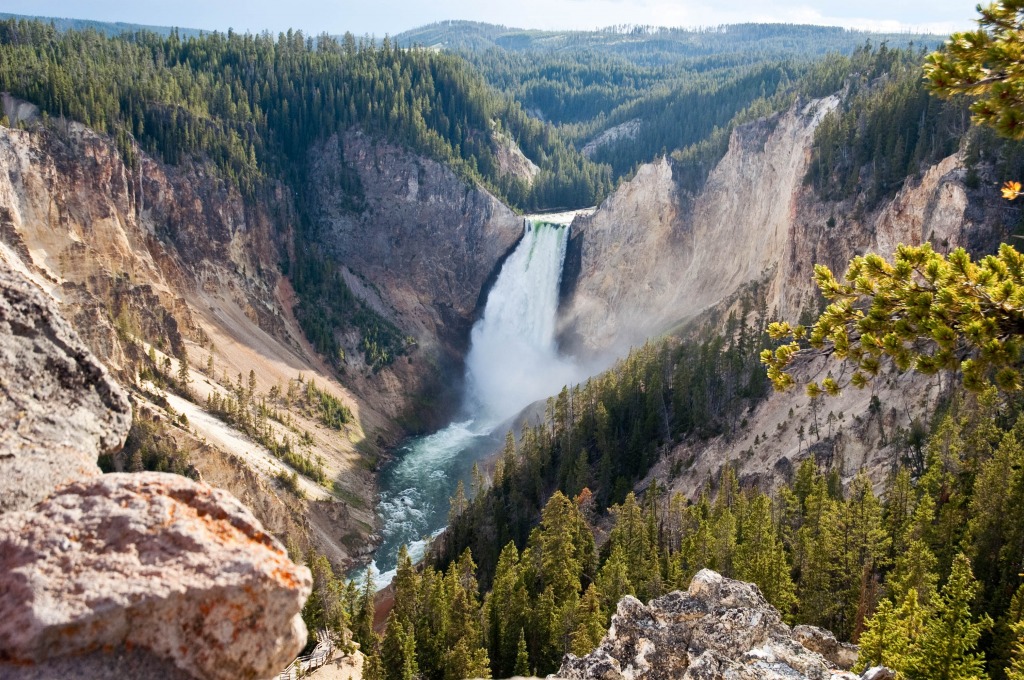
(380, 17)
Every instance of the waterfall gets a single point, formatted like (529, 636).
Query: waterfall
(513, 361)
(513, 358)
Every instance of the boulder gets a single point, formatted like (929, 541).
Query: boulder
(720, 629)
(128, 569)
(59, 408)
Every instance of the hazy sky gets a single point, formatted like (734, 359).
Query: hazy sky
(393, 16)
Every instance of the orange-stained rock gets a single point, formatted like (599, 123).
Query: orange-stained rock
(152, 561)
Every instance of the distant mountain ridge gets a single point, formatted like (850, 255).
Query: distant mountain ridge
(461, 35)
(111, 28)
(659, 43)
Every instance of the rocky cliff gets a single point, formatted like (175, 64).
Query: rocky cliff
(420, 245)
(654, 256)
(153, 264)
(719, 629)
(60, 408)
(655, 259)
(119, 575)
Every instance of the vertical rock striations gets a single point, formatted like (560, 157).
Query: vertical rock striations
(423, 237)
(59, 408)
(655, 256)
(147, 255)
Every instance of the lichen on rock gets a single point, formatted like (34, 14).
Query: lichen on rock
(152, 561)
(719, 629)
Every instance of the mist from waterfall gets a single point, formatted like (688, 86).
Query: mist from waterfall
(513, 361)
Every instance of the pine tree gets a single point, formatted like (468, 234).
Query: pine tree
(362, 625)
(864, 546)
(761, 557)
(406, 587)
(994, 535)
(985, 63)
(589, 623)
(398, 650)
(969, 328)
(817, 556)
(560, 565)
(613, 582)
(325, 607)
(946, 649)
(432, 624)
(543, 628)
(522, 667)
(891, 635)
(915, 570)
(457, 504)
(505, 611)
(632, 534)
(1016, 669)
(183, 373)
(373, 666)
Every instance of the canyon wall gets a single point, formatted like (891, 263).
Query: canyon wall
(420, 247)
(119, 575)
(655, 259)
(653, 256)
(153, 263)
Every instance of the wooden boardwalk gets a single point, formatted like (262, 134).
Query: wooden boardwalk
(322, 653)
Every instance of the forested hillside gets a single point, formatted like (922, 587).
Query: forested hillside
(922, 570)
(250, 107)
(252, 104)
(939, 549)
(658, 45)
(656, 89)
(111, 28)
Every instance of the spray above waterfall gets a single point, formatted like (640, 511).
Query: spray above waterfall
(513, 361)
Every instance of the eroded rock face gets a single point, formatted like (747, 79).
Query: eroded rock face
(426, 239)
(655, 255)
(720, 629)
(176, 257)
(59, 408)
(147, 561)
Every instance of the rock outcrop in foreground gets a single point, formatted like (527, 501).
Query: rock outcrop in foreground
(146, 575)
(720, 629)
(155, 561)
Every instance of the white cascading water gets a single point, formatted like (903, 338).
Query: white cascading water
(513, 358)
(513, 361)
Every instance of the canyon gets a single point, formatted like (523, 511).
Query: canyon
(171, 267)
(154, 254)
